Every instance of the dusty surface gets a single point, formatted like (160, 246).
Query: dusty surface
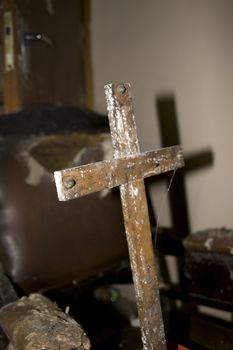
(209, 264)
(212, 240)
(35, 323)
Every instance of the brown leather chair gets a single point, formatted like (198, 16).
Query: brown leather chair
(44, 242)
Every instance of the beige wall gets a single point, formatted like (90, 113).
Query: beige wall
(184, 47)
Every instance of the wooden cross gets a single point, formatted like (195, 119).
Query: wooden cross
(127, 170)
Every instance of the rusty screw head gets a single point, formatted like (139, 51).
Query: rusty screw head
(69, 182)
(121, 89)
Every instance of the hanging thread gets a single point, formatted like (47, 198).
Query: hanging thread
(162, 203)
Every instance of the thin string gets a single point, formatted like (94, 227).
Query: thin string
(162, 203)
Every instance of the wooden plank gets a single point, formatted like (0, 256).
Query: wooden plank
(111, 173)
(136, 219)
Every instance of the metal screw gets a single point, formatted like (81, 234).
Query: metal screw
(121, 89)
(69, 182)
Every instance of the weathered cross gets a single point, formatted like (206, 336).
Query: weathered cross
(127, 170)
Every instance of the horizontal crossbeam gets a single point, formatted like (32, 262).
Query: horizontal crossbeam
(79, 181)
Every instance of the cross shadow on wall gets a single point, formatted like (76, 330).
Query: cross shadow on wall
(169, 240)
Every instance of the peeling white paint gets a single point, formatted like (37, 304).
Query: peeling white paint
(124, 143)
(135, 191)
(59, 187)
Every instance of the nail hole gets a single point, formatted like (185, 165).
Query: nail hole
(157, 163)
(121, 89)
(69, 182)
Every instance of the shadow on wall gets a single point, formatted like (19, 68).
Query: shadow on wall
(169, 240)
(169, 131)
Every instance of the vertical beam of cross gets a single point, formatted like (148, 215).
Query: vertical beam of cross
(136, 219)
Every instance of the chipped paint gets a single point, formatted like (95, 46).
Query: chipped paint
(111, 173)
(59, 185)
(120, 112)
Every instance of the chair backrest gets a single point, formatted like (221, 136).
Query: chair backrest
(44, 242)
